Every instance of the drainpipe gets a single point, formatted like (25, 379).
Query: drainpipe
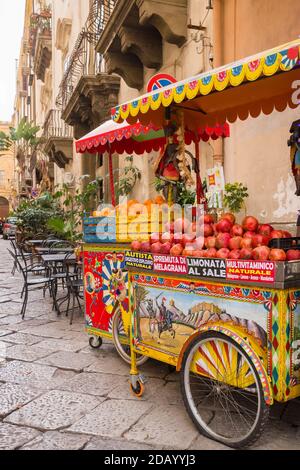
(218, 51)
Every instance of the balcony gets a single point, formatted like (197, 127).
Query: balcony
(58, 139)
(87, 92)
(133, 34)
(41, 42)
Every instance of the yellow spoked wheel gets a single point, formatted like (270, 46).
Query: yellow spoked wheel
(121, 341)
(222, 390)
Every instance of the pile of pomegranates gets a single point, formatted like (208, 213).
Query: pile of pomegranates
(225, 239)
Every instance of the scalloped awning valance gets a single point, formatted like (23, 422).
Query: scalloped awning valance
(249, 87)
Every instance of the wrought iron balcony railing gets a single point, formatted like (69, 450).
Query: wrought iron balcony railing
(84, 60)
(55, 127)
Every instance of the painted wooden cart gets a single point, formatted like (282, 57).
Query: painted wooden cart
(106, 283)
(234, 337)
(236, 344)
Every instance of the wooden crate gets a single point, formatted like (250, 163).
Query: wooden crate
(99, 229)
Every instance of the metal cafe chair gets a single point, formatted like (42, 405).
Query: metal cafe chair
(74, 283)
(19, 253)
(31, 283)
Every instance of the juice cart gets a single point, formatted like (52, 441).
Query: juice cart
(229, 326)
(107, 237)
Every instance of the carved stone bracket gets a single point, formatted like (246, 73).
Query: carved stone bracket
(145, 43)
(59, 150)
(128, 66)
(92, 100)
(169, 17)
(43, 55)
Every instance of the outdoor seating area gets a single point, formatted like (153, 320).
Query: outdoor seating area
(52, 266)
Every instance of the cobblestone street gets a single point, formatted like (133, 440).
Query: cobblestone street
(58, 393)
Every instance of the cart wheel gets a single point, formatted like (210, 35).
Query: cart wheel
(95, 342)
(222, 391)
(138, 390)
(123, 349)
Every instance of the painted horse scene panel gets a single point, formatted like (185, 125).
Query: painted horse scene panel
(168, 318)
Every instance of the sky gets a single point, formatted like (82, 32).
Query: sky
(11, 30)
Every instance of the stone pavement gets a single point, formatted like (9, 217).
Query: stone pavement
(57, 393)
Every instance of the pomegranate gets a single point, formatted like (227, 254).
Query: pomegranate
(265, 230)
(276, 234)
(229, 217)
(210, 253)
(261, 253)
(156, 247)
(235, 254)
(210, 242)
(214, 226)
(136, 245)
(208, 230)
(154, 238)
(277, 255)
(177, 238)
(176, 250)
(249, 234)
(199, 243)
(260, 240)
(181, 225)
(198, 253)
(293, 255)
(246, 253)
(208, 219)
(145, 247)
(196, 229)
(246, 243)
(237, 231)
(223, 226)
(166, 248)
(224, 253)
(250, 224)
(169, 227)
(186, 238)
(235, 243)
(188, 251)
(222, 240)
(167, 237)
(287, 234)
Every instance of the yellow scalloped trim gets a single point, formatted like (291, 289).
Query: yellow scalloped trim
(190, 94)
(283, 67)
(155, 104)
(124, 114)
(255, 74)
(134, 111)
(269, 70)
(220, 86)
(206, 89)
(144, 107)
(166, 101)
(236, 80)
(179, 97)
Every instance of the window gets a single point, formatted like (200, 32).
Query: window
(101, 191)
(99, 160)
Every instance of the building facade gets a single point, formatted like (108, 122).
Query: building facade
(97, 53)
(7, 176)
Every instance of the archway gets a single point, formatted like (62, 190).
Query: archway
(4, 208)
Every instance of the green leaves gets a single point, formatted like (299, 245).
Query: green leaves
(131, 175)
(234, 196)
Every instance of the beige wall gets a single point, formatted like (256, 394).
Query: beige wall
(257, 152)
(76, 12)
(7, 166)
